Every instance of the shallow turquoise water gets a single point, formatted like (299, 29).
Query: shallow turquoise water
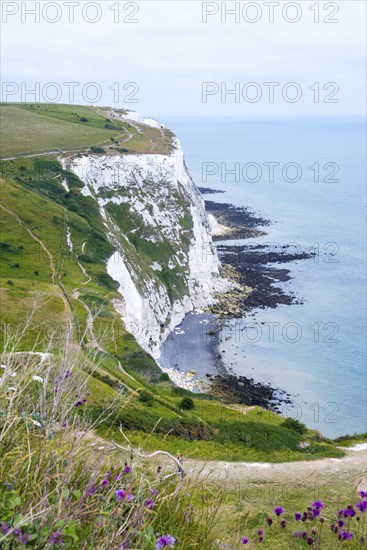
(315, 350)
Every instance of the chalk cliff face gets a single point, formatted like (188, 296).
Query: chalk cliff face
(165, 261)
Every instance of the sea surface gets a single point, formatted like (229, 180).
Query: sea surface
(315, 197)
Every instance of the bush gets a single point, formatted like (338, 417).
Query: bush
(83, 119)
(110, 126)
(164, 377)
(187, 404)
(98, 150)
(295, 425)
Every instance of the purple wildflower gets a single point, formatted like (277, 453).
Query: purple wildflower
(296, 534)
(153, 492)
(149, 503)
(318, 504)
(130, 497)
(283, 523)
(297, 516)
(55, 538)
(64, 425)
(261, 539)
(159, 469)
(315, 512)
(127, 469)
(345, 535)
(104, 483)
(117, 477)
(67, 374)
(120, 494)
(245, 540)
(260, 533)
(4, 527)
(270, 521)
(166, 540)
(362, 505)
(340, 523)
(309, 540)
(362, 494)
(23, 538)
(278, 510)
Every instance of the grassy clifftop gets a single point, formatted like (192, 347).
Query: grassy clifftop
(27, 128)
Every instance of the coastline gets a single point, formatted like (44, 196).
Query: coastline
(256, 285)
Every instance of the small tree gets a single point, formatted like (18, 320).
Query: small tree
(187, 404)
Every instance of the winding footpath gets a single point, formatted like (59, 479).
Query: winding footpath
(353, 466)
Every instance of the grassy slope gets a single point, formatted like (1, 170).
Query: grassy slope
(39, 128)
(31, 190)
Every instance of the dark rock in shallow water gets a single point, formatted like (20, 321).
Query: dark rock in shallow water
(252, 262)
(209, 191)
(242, 390)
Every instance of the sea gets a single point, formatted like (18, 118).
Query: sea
(308, 177)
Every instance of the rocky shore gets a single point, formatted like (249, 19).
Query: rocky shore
(251, 265)
(258, 285)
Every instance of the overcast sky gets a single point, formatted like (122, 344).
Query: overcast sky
(169, 53)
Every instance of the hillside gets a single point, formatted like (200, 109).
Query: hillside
(103, 247)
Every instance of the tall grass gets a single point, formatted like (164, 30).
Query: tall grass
(62, 485)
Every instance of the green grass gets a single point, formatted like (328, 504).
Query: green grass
(25, 132)
(27, 129)
(350, 440)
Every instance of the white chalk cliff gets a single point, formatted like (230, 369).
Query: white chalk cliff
(165, 261)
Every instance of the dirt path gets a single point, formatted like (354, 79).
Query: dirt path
(353, 465)
(54, 277)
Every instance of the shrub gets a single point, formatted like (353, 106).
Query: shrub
(164, 377)
(83, 119)
(295, 425)
(187, 404)
(98, 150)
(110, 126)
